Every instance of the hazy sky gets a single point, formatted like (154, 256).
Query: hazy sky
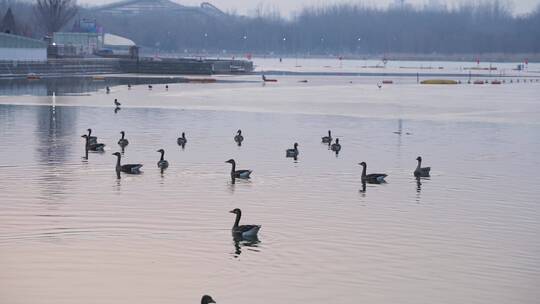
(289, 6)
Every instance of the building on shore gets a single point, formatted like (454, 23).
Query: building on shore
(19, 48)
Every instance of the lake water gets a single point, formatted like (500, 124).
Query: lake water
(71, 232)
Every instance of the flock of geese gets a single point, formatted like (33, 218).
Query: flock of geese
(239, 232)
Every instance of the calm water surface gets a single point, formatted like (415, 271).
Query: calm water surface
(70, 232)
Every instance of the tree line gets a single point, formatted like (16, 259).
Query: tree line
(486, 27)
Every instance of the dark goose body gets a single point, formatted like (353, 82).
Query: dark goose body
(336, 147)
(91, 139)
(239, 138)
(293, 152)
(95, 147)
(327, 139)
(247, 231)
(182, 140)
(419, 171)
(123, 141)
(162, 163)
(128, 168)
(373, 178)
(245, 174)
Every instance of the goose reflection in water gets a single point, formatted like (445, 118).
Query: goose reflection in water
(252, 243)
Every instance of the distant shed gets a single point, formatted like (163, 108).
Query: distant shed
(19, 48)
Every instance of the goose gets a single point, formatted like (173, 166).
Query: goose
(93, 146)
(238, 173)
(129, 168)
(162, 163)
(182, 140)
(122, 142)
(327, 139)
(239, 138)
(149, 86)
(246, 231)
(116, 103)
(293, 152)
(91, 139)
(336, 147)
(419, 171)
(374, 178)
(206, 299)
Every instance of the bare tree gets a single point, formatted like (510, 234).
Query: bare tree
(55, 14)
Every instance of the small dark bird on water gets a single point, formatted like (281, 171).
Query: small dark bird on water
(182, 140)
(129, 86)
(293, 152)
(419, 171)
(206, 299)
(336, 147)
(149, 86)
(327, 139)
(128, 168)
(166, 87)
(123, 142)
(245, 174)
(162, 163)
(245, 231)
(374, 178)
(239, 138)
(116, 103)
(108, 89)
(93, 146)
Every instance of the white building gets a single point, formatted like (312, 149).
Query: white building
(19, 48)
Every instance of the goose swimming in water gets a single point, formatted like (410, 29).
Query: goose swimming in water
(327, 139)
(246, 231)
(293, 152)
(162, 163)
(206, 299)
(123, 142)
(116, 103)
(149, 87)
(182, 140)
(129, 168)
(374, 178)
(91, 139)
(239, 138)
(93, 146)
(336, 147)
(238, 173)
(419, 171)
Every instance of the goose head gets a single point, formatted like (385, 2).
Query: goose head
(419, 158)
(337, 141)
(239, 132)
(160, 151)
(363, 164)
(231, 161)
(206, 299)
(183, 135)
(329, 133)
(123, 133)
(295, 145)
(117, 154)
(85, 136)
(89, 131)
(236, 211)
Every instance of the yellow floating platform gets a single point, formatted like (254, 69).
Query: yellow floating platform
(439, 81)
